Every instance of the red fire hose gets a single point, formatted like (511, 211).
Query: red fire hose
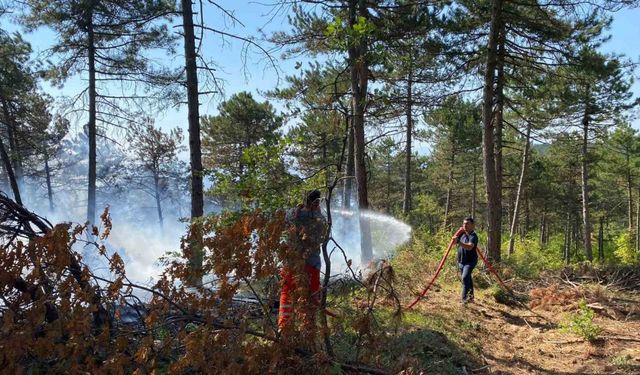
(490, 267)
(441, 265)
(426, 289)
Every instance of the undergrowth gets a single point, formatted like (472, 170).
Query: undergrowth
(581, 323)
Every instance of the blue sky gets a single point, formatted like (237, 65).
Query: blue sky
(255, 75)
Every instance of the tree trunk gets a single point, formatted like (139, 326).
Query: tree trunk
(406, 206)
(323, 139)
(359, 82)
(197, 194)
(497, 145)
(14, 151)
(567, 239)
(638, 222)
(447, 205)
(586, 219)
(474, 194)
(543, 224)
(601, 239)
(6, 185)
(547, 233)
(576, 238)
(91, 188)
(527, 218)
(156, 187)
(629, 195)
(510, 205)
(47, 172)
(388, 192)
(9, 169)
(494, 209)
(350, 168)
(521, 182)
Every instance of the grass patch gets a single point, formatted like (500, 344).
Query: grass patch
(622, 361)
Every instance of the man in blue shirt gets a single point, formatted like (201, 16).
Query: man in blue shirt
(467, 241)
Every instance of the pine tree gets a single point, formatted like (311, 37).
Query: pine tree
(106, 39)
(154, 157)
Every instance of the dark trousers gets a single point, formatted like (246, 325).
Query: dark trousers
(467, 281)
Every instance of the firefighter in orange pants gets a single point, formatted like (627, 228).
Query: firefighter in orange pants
(307, 236)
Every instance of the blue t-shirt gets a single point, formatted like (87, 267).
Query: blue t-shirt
(468, 256)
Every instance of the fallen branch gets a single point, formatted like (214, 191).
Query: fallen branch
(564, 342)
(358, 369)
(621, 338)
(479, 368)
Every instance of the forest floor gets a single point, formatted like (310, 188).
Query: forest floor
(442, 336)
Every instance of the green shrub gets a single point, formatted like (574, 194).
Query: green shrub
(622, 361)
(529, 257)
(581, 324)
(499, 294)
(624, 250)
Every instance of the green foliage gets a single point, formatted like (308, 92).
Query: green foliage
(582, 324)
(265, 183)
(622, 361)
(529, 258)
(243, 151)
(499, 294)
(242, 123)
(426, 213)
(343, 36)
(624, 249)
(386, 187)
(121, 32)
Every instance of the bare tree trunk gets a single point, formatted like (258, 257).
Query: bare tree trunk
(350, 168)
(510, 204)
(527, 218)
(156, 188)
(494, 209)
(447, 205)
(91, 188)
(14, 157)
(576, 238)
(359, 84)
(601, 239)
(387, 203)
(542, 222)
(47, 172)
(521, 182)
(629, 195)
(9, 169)
(638, 222)
(406, 206)
(567, 239)
(6, 184)
(474, 194)
(195, 151)
(586, 219)
(497, 145)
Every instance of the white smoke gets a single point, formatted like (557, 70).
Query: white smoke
(387, 234)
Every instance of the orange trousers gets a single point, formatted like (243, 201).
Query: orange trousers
(285, 312)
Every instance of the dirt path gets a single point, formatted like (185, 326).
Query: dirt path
(515, 340)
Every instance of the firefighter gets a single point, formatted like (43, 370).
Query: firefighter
(308, 230)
